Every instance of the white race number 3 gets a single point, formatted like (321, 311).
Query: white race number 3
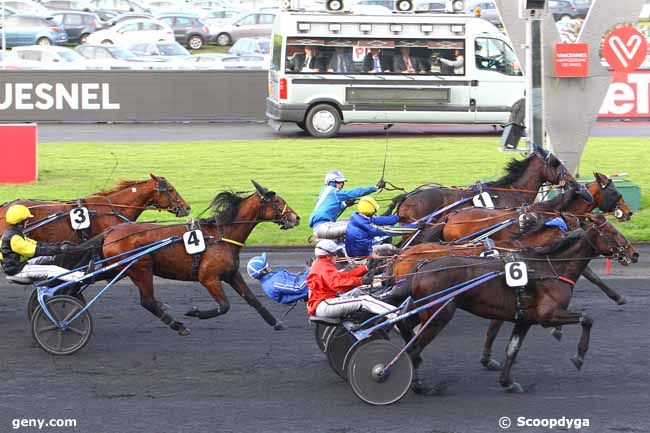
(194, 242)
(483, 200)
(79, 218)
(516, 274)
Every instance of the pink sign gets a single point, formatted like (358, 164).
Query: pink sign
(625, 49)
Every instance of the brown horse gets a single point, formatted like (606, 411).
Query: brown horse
(121, 204)
(518, 187)
(225, 233)
(544, 300)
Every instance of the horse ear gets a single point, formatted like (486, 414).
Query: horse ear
(602, 180)
(153, 176)
(259, 188)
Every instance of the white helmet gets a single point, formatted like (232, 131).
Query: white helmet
(334, 176)
(326, 247)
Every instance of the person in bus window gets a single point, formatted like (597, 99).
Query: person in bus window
(423, 56)
(309, 61)
(458, 64)
(375, 63)
(404, 62)
(341, 61)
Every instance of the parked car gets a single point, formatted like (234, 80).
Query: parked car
(7, 11)
(132, 31)
(251, 46)
(251, 24)
(217, 61)
(363, 9)
(188, 29)
(216, 19)
(22, 29)
(486, 9)
(388, 4)
(430, 6)
(78, 25)
(26, 7)
(112, 57)
(126, 16)
(159, 49)
(214, 4)
(65, 5)
(44, 57)
(562, 9)
(166, 6)
(581, 6)
(118, 6)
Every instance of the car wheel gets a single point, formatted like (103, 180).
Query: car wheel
(223, 39)
(43, 41)
(195, 42)
(323, 121)
(83, 38)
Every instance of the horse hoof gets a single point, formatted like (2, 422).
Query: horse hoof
(184, 332)
(279, 326)
(419, 388)
(194, 312)
(514, 388)
(621, 300)
(490, 364)
(557, 334)
(577, 361)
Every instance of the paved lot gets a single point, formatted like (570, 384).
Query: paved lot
(235, 374)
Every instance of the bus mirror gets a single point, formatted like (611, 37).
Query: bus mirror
(334, 5)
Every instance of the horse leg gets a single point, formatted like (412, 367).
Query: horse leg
(238, 283)
(407, 334)
(425, 337)
(486, 358)
(215, 288)
(518, 334)
(564, 317)
(589, 274)
(142, 277)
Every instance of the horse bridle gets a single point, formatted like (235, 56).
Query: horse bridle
(545, 156)
(281, 216)
(617, 253)
(162, 186)
(611, 205)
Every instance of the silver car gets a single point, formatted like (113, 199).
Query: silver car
(246, 25)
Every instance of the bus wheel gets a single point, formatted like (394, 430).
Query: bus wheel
(323, 121)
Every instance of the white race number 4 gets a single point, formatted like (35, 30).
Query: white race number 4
(194, 242)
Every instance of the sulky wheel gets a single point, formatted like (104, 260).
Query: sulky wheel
(368, 378)
(338, 344)
(322, 333)
(58, 341)
(32, 302)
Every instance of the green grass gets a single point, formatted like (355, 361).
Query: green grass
(295, 167)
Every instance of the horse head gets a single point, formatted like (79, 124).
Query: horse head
(552, 169)
(608, 241)
(274, 208)
(166, 197)
(609, 199)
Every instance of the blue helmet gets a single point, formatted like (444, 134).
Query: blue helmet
(257, 265)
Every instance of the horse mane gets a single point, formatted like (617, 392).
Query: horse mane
(514, 170)
(560, 244)
(224, 207)
(120, 186)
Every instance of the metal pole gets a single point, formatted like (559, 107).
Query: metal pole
(534, 102)
(4, 41)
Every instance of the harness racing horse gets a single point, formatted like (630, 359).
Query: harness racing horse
(519, 186)
(552, 273)
(225, 233)
(121, 204)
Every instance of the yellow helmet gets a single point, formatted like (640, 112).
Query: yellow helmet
(17, 214)
(367, 206)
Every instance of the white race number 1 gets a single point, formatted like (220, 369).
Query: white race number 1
(194, 242)
(483, 200)
(79, 218)
(516, 274)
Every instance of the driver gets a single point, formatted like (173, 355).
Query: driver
(281, 285)
(332, 202)
(23, 257)
(327, 287)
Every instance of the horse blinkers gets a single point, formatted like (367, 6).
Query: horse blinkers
(162, 186)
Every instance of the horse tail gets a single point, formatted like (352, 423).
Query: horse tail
(395, 204)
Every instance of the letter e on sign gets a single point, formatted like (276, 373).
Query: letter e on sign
(194, 242)
(516, 274)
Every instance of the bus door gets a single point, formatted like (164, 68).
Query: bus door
(499, 82)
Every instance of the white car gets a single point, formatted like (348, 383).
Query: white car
(26, 7)
(131, 31)
(222, 62)
(48, 57)
(114, 57)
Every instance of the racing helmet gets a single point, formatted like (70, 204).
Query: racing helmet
(17, 213)
(367, 206)
(326, 247)
(334, 176)
(256, 266)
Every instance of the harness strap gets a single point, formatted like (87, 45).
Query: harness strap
(230, 241)
(84, 234)
(196, 258)
(566, 280)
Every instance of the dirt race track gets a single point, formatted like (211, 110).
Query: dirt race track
(235, 374)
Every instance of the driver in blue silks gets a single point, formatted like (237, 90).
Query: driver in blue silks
(281, 286)
(364, 226)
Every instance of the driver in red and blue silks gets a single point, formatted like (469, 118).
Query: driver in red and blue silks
(281, 285)
(364, 226)
(331, 202)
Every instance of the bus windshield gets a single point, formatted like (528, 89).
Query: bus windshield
(373, 56)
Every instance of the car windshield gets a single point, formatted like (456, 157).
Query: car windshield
(70, 56)
(121, 53)
(172, 50)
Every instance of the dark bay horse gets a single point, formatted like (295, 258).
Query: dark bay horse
(225, 233)
(519, 186)
(121, 204)
(544, 300)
